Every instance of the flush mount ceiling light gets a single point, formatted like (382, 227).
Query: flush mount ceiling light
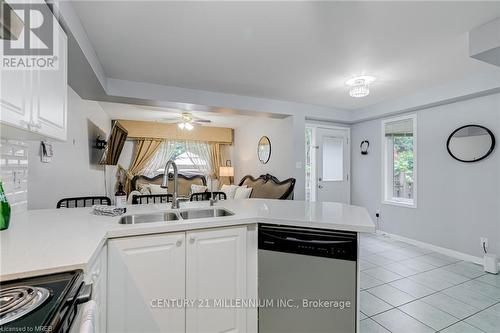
(360, 86)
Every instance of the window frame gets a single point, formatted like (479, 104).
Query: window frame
(385, 170)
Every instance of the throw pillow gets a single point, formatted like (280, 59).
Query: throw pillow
(242, 192)
(198, 188)
(157, 189)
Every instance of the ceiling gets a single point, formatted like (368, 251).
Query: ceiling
(150, 113)
(294, 51)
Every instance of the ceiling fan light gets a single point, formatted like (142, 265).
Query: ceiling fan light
(181, 125)
(188, 126)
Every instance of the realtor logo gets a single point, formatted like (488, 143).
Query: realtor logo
(34, 46)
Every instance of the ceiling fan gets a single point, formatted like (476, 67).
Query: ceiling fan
(187, 121)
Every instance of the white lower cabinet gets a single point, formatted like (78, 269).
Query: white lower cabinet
(216, 270)
(141, 272)
(207, 267)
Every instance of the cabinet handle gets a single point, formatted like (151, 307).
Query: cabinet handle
(179, 242)
(192, 239)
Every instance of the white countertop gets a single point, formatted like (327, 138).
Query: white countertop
(55, 240)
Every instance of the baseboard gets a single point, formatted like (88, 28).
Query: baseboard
(435, 248)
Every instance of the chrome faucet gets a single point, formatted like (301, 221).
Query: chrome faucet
(164, 183)
(212, 199)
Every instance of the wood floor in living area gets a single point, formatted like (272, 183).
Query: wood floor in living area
(405, 288)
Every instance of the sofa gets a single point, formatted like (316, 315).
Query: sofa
(269, 187)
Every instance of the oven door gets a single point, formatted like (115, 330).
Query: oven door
(85, 318)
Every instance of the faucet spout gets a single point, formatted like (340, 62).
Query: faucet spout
(164, 183)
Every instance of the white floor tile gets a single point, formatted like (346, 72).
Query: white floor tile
(450, 305)
(466, 269)
(378, 259)
(417, 264)
(438, 279)
(413, 288)
(491, 279)
(383, 274)
(483, 288)
(401, 269)
(370, 326)
(363, 264)
(367, 281)
(470, 297)
(371, 305)
(398, 322)
(429, 315)
(487, 320)
(391, 295)
(461, 327)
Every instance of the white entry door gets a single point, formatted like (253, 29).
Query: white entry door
(333, 165)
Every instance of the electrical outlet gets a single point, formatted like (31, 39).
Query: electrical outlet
(484, 241)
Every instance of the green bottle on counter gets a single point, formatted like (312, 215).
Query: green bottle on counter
(4, 210)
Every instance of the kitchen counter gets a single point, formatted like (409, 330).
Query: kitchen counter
(56, 240)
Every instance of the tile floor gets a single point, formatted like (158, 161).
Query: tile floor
(406, 289)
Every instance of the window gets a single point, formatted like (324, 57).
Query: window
(333, 159)
(399, 157)
(191, 157)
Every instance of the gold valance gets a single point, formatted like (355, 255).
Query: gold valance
(149, 129)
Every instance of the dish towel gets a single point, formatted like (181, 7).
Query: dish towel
(108, 210)
(89, 318)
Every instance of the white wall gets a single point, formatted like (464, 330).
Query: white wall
(280, 133)
(457, 202)
(70, 172)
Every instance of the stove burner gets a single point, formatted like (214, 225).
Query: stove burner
(17, 301)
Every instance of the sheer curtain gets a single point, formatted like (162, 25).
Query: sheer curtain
(164, 153)
(201, 160)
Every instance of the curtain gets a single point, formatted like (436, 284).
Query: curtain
(164, 153)
(199, 154)
(215, 158)
(145, 150)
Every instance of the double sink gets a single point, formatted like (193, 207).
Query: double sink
(174, 216)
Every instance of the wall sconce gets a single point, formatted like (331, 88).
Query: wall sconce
(365, 144)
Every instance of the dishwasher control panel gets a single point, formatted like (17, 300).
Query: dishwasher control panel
(309, 241)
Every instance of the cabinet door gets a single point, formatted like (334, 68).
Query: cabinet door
(14, 93)
(216, 269)
(142, 270)
(50, 93)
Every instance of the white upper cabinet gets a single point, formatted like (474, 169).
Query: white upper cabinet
(142, 270)
(216, 270)
(35, 99)
(50, 94)
(15, 98)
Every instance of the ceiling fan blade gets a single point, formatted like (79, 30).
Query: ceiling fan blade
(205, 121)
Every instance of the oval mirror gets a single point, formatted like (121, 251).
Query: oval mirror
(264, 149)
(470, 143)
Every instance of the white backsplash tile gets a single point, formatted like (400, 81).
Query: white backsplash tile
(14, 173)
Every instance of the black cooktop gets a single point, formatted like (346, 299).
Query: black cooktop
(56, 311)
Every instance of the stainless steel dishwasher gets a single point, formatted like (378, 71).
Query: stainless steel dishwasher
(307, 279)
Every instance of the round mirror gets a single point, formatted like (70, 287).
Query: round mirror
(470, 143)
(264, 149)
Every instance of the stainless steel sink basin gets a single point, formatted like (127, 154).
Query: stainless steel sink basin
(204, 213)
(146, 218)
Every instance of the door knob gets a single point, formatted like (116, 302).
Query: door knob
(178, 243)
(320, 186)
